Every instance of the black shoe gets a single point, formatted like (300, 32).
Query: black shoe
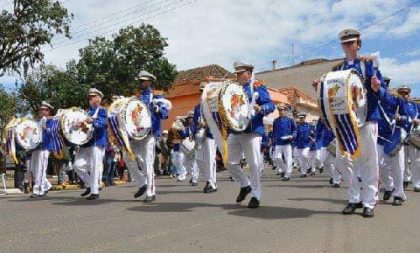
(405, 184)
(417, 189)
(34, 196)
(302, 175)
(308, 171)
(359, 179)
(87, 192)
(331, 181)
(194, 184)
(321, 170)
(387, 195)
(231, 179)
(351, 207)
(398, 201)
(242, 194)
(206, 187)
(93, 197)
(210, 190)
(191, 181)
(336, 186)
(285, 179)
(149, 199)
(100, 188)
(282, 174)
(312, 174)
(141, 191)
(368, 212)
(274, 168)
(253, 203)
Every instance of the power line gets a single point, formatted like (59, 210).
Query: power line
(159, 11)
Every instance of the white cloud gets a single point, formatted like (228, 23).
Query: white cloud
(401, 72)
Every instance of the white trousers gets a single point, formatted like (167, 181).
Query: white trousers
(206, 161)
(191, 167)
(314, 159)
(391, 170)
(88, 164)
(282, 158)
(302, 158)
(247, 144)
(142, 169)
(369, 169)
(407, 170)
(414, 157)
(38, 167)
(328, 162)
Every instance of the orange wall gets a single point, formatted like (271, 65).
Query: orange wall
(180, 107)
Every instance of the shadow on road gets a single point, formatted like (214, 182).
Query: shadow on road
(334, 201)
(264, 212)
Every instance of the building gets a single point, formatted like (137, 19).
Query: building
(185, 93)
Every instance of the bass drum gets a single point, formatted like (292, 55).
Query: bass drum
(133, 116)
(230, 101)
(76, 135)
(28, 133)
(414, 137)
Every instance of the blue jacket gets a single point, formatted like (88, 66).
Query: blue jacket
(184, 134)
(283, 126)
(324, 135)
(408, 110)
(372, 103)
(47, 138)
(147, 97)
(196, 120)
(267, 106)
(100, 134)
(304, 135)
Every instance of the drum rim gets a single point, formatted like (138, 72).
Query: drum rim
(62, 118)
(121, 117)
(18, 139)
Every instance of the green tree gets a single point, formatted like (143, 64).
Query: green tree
(61, 88)
(113, 65)
(8, 107)
(29, 26)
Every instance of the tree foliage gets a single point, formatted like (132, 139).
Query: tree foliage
(8, 107)
(113, 65)
(29, 26)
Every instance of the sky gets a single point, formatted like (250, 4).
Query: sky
(203, 32)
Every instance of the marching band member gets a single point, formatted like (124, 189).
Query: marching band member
(325, 136)
(314, 153)
(248, 143)
(206, 150)
(190, 163)
(303, 136)
(183, 130)
(368, 159)
(39, 161)
(283, 129)
(89, 158)
(145, 148)
(405, 113)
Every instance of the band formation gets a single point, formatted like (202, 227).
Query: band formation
(365, 135)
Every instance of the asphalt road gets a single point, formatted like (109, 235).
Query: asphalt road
(303, 215)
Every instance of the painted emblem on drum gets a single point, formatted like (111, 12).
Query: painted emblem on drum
(236, 102)
(136, 116)
(27, 133)
(332, 92)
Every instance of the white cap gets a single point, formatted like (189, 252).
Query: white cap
(95, 92)
(45, 104)
(146, 76)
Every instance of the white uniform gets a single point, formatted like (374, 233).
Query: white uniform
(38, 167)
(247, 144)
(283, 159)
(392, 171)
(142, 169)
(302, 158)
(206, 161)
(369, 169)
(88, 163)
(414, 156)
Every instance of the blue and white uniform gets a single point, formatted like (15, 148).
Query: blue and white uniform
(303, 136)
(283, 129)
(248, 143)
(89, 158)
(368, 159)
(145, 148)
(205, 155)
(39, 160)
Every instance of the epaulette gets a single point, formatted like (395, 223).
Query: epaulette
(258, 83)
